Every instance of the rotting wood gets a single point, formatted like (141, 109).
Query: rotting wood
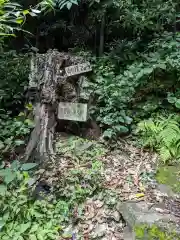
(49, 78)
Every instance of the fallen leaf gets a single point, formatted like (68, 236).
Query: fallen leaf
(139, 195)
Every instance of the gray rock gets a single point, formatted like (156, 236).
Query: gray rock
(143, 213)
(116, 216)
(99, 231)
(166, 190)
(128, 234)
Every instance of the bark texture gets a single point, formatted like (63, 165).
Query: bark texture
(51, 85)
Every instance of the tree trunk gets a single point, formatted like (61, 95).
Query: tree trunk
(101, 44)
(48, 78)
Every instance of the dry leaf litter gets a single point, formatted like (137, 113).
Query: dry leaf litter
(127, 175)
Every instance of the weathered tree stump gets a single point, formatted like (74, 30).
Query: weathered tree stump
(51, 85)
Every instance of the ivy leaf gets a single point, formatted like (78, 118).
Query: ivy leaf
(28, 166)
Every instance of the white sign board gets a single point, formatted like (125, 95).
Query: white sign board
(78, 69)
(72, 111)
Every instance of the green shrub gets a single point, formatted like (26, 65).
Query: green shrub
(13, 133)
(86, 174)
(163, 135)
(117, 89)
(25, 218)
(14, 70)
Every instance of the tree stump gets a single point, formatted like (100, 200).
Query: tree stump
(51, 85)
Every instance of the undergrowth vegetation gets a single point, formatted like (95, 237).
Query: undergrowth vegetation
(135, 55)
(23, 217)
(85, 175)
(163, 135)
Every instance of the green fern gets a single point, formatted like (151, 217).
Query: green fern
(162, 135)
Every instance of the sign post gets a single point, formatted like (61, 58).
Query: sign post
(72, 111)
(78, 69)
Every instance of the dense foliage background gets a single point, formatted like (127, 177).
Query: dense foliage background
(134, 48)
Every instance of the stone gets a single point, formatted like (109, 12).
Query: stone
(128, 233)
(166, 190)
(138, 213)
(99, 231)
(115, 216)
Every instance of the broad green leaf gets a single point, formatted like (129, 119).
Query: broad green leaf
(15, 165)
(128, 120)
(19, 142)
(32, 237)
(25, 12)
(177, 103)
(69, 5)
(29, 106)
(1, 145)
(24, 227)
(34, 228)
(19, 20)
(9, 177)
(4, 172)
(109, 133)
(3, 189)
(2, 223)
(28, 166)
(121, 129)
(172, 99)
(36, 11)
(40, 237)
(29, 122)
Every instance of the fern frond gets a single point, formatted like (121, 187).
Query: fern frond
(162, 134)
(165, 154)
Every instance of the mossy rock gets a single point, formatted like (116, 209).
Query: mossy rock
(170, 176)
(154, 232)
(144, 214)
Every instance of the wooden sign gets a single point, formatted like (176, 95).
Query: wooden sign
(72, 111)
(78, 69)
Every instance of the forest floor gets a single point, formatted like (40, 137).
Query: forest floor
(96, 178)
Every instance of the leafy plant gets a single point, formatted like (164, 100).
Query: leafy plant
(80, 149)
(85, 176)
(23, 217)
(13, 132)
(163, 135)
(154, 232)
(117, 92)
(66, 3)
(14, 70)
(13, 16)
(10, 174)
(174, 99)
